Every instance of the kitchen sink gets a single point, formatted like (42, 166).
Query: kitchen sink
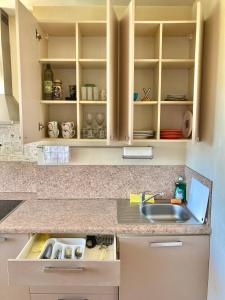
(154, 213)
(166, 213)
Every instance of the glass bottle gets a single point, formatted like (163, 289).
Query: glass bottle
(48, 82)
(180, 189)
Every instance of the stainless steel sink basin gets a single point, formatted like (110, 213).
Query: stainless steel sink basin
(154, 213)
(166, 213)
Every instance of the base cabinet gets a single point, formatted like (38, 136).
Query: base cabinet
(164, 268)
(10, 246)
(72, 297)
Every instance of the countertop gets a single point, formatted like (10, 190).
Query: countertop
(84, 216)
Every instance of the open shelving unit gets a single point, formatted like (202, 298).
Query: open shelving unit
(80, 51)
(164, 55)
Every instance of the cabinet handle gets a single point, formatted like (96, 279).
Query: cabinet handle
(166, 244)
(3, 239)
(63, 270)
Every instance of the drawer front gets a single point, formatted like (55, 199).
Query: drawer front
(63, 273)
(51, 272)
(73, 297)
(10, 245)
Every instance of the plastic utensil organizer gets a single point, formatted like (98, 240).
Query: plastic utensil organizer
(63, 248)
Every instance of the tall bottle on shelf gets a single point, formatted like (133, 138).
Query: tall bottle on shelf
(48, 82)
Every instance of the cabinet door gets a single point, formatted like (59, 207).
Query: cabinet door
(10, 246)
(197, 71)
(29, 74)
(112, 72)
(164, 268)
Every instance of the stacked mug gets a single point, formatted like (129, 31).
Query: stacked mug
(67, 128)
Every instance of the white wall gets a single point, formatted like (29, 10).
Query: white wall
(208, 157)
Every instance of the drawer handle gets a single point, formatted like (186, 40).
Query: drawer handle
(63, 270)
(3, 239)
(166, 244)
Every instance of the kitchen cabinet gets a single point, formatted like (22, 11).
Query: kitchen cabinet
(73, 297)
(160, 49)
(10, 245)
(92, 270)
(80, 52)
(164, 267)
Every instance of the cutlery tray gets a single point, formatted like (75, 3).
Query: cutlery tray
(63, 246)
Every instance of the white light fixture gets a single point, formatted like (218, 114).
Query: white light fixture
(137, 153)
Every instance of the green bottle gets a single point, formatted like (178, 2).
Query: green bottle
(180, 189)
(48, 82)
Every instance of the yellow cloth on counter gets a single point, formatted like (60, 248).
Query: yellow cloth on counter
(136, 198)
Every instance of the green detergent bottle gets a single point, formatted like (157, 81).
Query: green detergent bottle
(180, 189)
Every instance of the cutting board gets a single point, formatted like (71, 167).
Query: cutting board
(198, 200)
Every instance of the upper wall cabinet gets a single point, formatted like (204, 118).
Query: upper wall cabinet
(160, 63)
(83, 57)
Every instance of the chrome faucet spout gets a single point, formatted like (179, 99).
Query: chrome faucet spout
(144, 199)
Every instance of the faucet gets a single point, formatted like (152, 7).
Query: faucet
(143, 194)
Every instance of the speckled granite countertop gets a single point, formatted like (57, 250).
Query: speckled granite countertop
(83, 216)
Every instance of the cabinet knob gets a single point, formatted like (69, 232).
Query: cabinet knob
(40, 126)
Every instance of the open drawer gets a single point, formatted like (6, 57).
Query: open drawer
(92, 270)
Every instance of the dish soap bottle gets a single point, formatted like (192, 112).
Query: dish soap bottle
(48, 83)
(180, 189)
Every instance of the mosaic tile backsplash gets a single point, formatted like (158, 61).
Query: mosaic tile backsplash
(12, 149)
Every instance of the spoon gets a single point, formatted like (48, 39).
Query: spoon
(78, 252)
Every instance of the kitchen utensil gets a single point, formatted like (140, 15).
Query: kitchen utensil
(103, 95)
(136, 95)
(89, 93)
(53, 131)
(198, 200)
(187, 124)
(91, 241)
(72, 91)
(57, 89)
(58, 253)
(105, 240)
(83, 93)
(68, 253)
(48, 252)
(68, 130)
(96, 93)
(78, 252)
(146, 94)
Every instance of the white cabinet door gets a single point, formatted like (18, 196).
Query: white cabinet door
(164, 268)
(10, 246)
(29, 74)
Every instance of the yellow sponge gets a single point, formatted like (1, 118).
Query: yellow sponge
(136, 198)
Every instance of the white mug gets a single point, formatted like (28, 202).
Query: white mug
(68, 130)
(53, 131)
(103, 95)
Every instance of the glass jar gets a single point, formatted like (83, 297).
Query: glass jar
(57, 89)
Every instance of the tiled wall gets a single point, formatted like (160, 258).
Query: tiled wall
(12, 148)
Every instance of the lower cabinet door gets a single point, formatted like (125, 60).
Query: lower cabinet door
(164, 268)
(72, 297)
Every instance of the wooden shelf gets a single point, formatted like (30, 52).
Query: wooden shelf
(93, 102)
(137, 103)
(178, 63)
(93, 63)
(58, 102)
(59, 63)
(145, 63)
(185, 102)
